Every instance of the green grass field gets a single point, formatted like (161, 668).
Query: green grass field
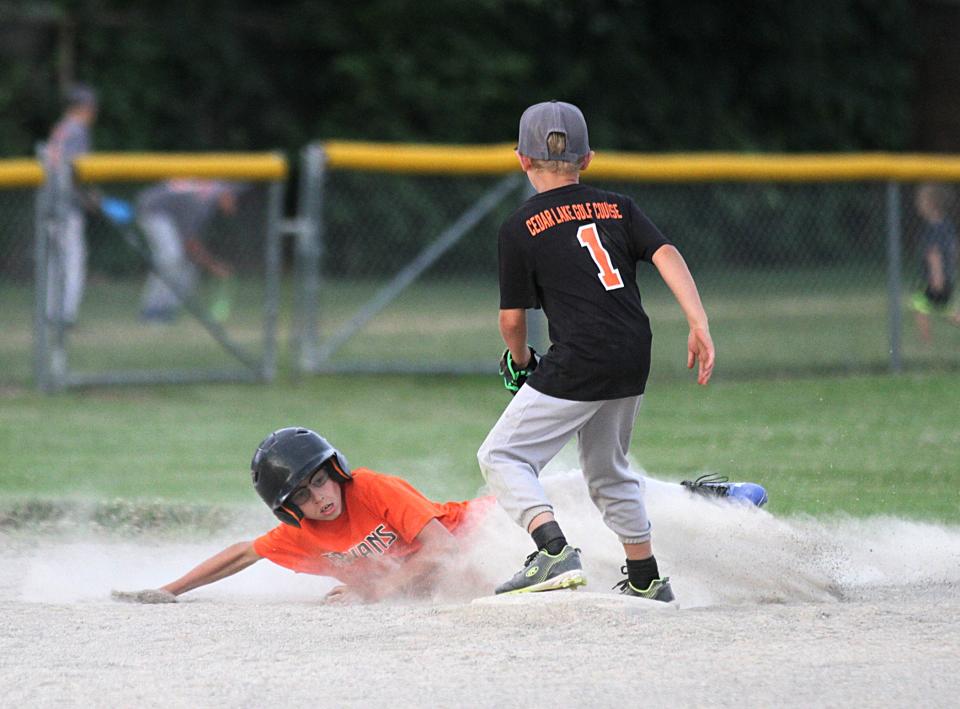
(821, 444)
(867, 445)
(764, 323)
(781, 324)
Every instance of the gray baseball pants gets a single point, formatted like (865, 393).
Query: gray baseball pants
(533, 429)
(67, 274)
(170, 259)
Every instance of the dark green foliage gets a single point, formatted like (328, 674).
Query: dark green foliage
(793, 75)
(652, 75)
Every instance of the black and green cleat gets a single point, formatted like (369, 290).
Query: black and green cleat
(543, 571)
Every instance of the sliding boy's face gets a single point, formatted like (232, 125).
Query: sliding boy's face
(325, 502)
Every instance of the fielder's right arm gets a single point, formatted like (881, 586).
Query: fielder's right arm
(513, 330)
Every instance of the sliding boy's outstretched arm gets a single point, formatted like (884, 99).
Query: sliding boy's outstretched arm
(231, 560)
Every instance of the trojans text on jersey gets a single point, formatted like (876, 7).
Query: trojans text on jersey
(375, 543)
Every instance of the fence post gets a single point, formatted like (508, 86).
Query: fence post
(272, 274)
(894, 275)
(41, 331)
(309, 247)
(50, 333)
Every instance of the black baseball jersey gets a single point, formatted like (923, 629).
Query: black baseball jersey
(573, 251)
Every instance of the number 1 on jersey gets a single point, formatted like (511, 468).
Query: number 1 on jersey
(609, 276)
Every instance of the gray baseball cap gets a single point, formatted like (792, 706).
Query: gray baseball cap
(542, 119)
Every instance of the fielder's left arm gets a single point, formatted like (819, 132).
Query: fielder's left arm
(673, 269)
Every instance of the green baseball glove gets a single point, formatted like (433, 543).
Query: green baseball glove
(514, 376)
(222, 299)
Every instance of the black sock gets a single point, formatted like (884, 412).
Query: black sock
(642, 572)
(548, 537)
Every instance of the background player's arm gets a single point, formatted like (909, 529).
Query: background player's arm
(673, 269)
(90, 198)
(417, 572)
(513, 330)
(935, 268)
(201, 256)
(234, 558)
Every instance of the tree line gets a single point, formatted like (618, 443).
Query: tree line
(651, 75)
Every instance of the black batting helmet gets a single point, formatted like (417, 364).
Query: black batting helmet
(286, 458)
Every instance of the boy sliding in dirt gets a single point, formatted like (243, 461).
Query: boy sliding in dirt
(375, 533)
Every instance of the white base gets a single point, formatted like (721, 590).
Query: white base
(576, 597)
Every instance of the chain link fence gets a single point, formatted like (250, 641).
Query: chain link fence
(181, 284)
(17, 219)
(799, 276)
(395, 270)
(405, 283)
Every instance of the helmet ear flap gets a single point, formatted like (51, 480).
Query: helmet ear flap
(289, 513)
(338, 468)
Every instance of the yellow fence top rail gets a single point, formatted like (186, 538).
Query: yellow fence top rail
(499, 159)
(781, 168)
(412, 158)
(20, 172)
(649, 167)
(115, 167)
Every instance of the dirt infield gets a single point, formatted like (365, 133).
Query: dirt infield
(772, 612)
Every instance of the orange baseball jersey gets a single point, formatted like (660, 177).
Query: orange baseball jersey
(382, 515)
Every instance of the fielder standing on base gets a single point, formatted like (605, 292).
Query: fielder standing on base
(572, 250)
